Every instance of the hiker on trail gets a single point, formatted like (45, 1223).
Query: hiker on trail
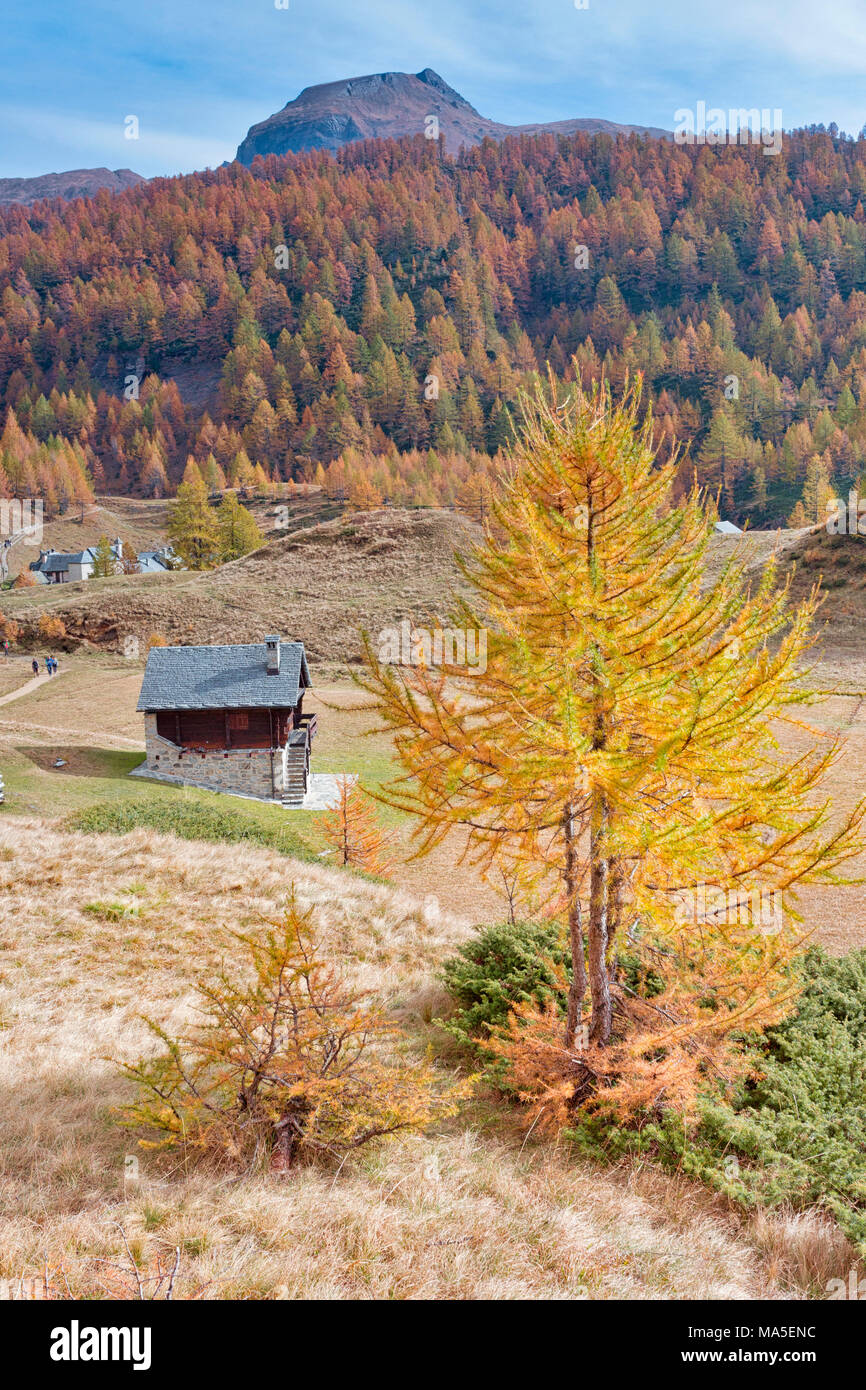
(35, 666)
(54, 665)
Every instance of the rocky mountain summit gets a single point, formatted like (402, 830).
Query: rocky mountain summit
(391, 105)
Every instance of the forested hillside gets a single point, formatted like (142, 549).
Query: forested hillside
(366, 320)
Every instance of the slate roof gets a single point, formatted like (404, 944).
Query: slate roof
(152, 562)
(59, 561)
(223, 678)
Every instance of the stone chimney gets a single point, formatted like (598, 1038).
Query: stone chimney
(272, 647)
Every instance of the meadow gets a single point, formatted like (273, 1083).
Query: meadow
(99, 927)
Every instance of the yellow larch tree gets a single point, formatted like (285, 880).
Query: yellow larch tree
(620, 749)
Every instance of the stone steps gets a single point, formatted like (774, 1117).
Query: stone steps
(295, 782)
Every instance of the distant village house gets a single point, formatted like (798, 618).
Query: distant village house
(57, 567)
(230, 719)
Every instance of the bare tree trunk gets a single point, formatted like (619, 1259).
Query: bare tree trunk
(615, 886)
(602, 1014)
(575, 930)
(599, 984)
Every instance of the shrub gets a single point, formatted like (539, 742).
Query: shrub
(792, 1132)
(189, 820)
(51, 629)
(288, 1060)
(514, 964)
(505, 965)
(156, 639)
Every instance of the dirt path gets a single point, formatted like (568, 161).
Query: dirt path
(26, 688)
(23, 726)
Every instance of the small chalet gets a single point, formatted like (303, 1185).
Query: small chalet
(230, 718)
(56, 567)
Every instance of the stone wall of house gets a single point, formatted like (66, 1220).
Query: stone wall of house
(246, 770)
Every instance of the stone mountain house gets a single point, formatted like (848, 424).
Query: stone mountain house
(230, 718)
(56, 567)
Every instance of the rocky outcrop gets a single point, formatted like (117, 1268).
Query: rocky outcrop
(391, 105)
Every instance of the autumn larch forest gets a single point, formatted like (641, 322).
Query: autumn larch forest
(367, 321)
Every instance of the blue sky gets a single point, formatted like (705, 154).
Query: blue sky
(198, 73)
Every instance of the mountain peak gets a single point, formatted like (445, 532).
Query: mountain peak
(432, 79)
(388, 105)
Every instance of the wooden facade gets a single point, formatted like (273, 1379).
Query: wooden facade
(222, 729)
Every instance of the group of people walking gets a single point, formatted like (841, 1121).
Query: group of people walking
(50, 666)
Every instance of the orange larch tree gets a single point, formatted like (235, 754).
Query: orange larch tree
(352, 830)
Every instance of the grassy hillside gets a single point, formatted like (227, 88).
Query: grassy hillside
(336, 572)
(319, 585)
(98, 928)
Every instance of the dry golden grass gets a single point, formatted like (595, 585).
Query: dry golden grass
(96, 929)
(804, 1248)
(15, 671)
